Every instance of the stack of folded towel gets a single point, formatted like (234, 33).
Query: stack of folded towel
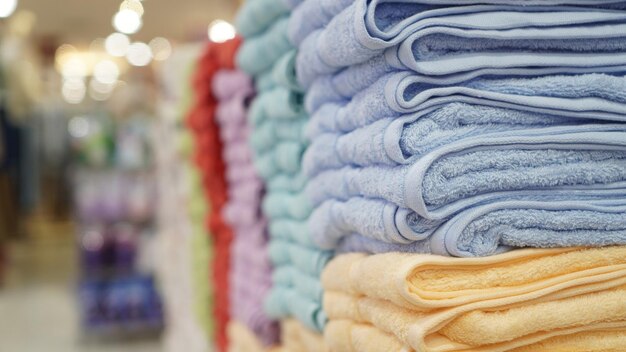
(184, 249)
(208, 158)
(250, 268)
(466, 129)
(277, 119)
(520, 142)
(526, 300)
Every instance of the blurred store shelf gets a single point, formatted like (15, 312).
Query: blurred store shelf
(38, 299)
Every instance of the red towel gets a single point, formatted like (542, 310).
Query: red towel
(208, 158)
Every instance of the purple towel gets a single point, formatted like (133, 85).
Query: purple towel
(250, 269)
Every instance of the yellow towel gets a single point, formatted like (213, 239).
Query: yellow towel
(498, 303)
(345, 335)
(296, 337)
(242, 339)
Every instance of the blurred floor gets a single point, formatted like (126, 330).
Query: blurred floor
(38, 305)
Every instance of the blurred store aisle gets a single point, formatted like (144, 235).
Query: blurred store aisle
(38, 305)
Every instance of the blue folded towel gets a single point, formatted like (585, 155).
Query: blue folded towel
(396, 141)
(340, 87)
(449, 51)
(482, 230)
(256, 16)
(312, 15)
(372, 218)
(473, 170)
(590, 95)
(365, 29)
(258, 54)
(497, 227)
(358, 243)
(563, 219)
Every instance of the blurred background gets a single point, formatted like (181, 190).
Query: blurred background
(82, 84)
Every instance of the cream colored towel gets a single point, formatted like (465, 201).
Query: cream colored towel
(498, 303)
(345, 335)
(298, 338)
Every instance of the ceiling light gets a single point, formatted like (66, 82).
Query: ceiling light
(117, 44)
(127, 21)
(7, 7)
(161, 48)
(139, 54)
(221, 31)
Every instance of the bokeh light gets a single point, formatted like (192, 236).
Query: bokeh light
(132, 5)
(221, 31)
(161, 48)
(116, 44)
(74, 67)
(97, 45)
(139, 54)
(7, 7)
(73, 90)
(127, 21)
(78, 127)
(106, 71)
(100, 91)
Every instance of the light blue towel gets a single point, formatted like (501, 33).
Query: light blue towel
(364, 29)
(372, 218)
(284, 72)
(291, 230)
(258, 54)
(528, 221)
(277, 118)
(396, 141)
(285, 301)
(308, 260)
(285, 158)
(264, 82)
(362, 244)
(474, 170)
(401, 93)
(256, 16)
(277, 103)
(312, 15)
(340, 87)
(592, 219)
(308, 286)
(449, 51)
(287, 183)
(497, 227)
(269, 134)
(294, 206)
